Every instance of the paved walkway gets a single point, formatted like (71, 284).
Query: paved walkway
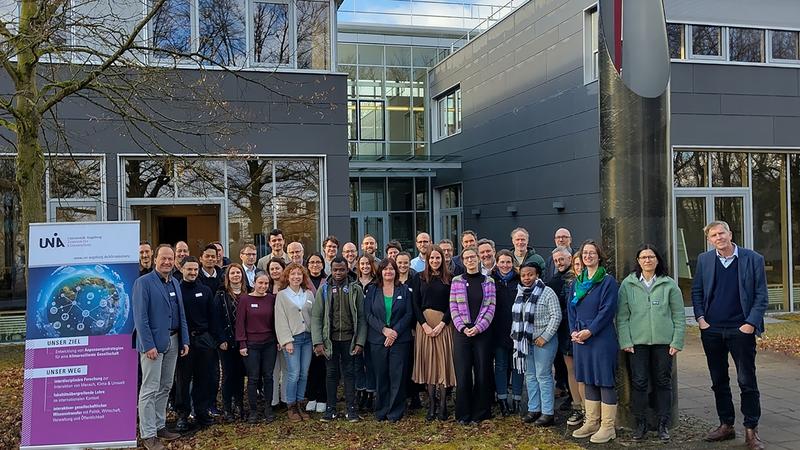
(778, 381)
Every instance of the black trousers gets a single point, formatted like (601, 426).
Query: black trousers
(390, 365)
(472, 358)
(717, 344)
(316, 389)
(260, 362)
(341, 364)
(233, 373)
(651, 365)
(194, 384)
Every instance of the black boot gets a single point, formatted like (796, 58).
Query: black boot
(516, 407)
(641, 428)
(415, 402)
(182, 425)
(369, 403)
(663, 431)
(502, 403)
(442, 409)
(361, 400)
(431, 403)
(269, 416)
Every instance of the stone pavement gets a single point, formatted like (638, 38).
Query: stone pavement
(778, 381)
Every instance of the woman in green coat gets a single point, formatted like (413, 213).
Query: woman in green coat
(650, 324)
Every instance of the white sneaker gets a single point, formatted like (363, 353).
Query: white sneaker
(321, 407)
(311, 406)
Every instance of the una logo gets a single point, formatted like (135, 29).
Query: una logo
(54, 242)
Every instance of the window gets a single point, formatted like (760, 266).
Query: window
(371, 120)
(746, 44)
(706, 41)
(172, 27)
(74, 191)
(785, 45)
(222, 36)
(675, 37)
(271, 33)
(591, 45)
(313, 34)
(448, 108)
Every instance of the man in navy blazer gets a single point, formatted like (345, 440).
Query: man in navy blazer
(729, 295)
(161, 335)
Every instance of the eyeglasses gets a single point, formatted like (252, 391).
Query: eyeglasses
(422, 242)
(314, 262)
(249, 254)
(647, 257)
(466, 258)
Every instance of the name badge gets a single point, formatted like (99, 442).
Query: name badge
(656, 302)
(172, 294)
(199, 294)
(254, 305)
(399, 297)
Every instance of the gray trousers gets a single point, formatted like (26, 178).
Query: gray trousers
(157, 378)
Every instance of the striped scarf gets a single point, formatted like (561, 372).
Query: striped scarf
(522, 321)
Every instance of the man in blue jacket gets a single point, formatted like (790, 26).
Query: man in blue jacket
(161, 334)
(729, 295)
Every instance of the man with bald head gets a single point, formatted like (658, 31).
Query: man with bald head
(295, 252)
(563, 238)
(423, 246)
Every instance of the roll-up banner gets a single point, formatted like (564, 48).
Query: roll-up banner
(80, 366)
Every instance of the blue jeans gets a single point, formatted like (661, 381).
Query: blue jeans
(502, 365)
(297, 364)
(539, 377)
(365, 375)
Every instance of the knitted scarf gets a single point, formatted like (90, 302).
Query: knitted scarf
(522, 320)
(583, 284)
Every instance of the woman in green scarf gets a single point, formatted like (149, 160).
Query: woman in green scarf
(591, 309)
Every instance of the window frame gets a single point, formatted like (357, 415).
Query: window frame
(361, 138)
(684, 41)
(727, 32)
(438, 132)
(52, 203)
(291, 18)
(591, 34)
(768, 48)
(723, 44)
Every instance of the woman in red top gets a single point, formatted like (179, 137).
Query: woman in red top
(258, 344)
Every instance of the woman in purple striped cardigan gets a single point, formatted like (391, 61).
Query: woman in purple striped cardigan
(472, 303)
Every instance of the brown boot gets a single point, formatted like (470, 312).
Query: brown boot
(724, 432)
(752, 440)
(152, 443)
(301, 409)
(294, 416)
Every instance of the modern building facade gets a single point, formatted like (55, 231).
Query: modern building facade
(519, 106)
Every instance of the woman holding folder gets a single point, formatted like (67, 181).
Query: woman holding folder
(433, 347)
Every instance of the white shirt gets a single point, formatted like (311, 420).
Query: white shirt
(647, 283)
(250, 272)
(727, 261)
(210, 275)
(298, 298)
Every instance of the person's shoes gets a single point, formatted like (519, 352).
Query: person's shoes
(591, 420)
(394, 420)
(516, 407)
(663, 431)
(205, 421)
(576, 418)
(607, 430)
(329, 416)
(503, 405)
(321, 407)
(311, 406)
(566, 405)
(752, 440)
(724, 432)
(532, 416)
(370, 401)
(361, 400)
(167, 435)
(281, 406)
(269, 416)
(302, 407)
(228, 415)
(641, 429)
(415, 402)
(294, 415)
(545, 420)
(464, 422)
(182, 424)
(152, 443)
(442, 413)
(431, 410)
(352, 416)
(214, 411)
(252, 418)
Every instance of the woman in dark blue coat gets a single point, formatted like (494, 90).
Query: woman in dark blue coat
(389, 314)
(592, 309)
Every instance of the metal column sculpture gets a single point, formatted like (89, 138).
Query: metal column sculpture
(635, 181)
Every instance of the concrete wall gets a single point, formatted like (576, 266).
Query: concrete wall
(530, 126)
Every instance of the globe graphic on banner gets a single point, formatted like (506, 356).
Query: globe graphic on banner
(82, 301)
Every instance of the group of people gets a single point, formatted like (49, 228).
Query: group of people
(294, 325)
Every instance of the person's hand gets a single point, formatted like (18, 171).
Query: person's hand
(673, 351)
(437, 330)
(583, 335)
(388, 342)
(223, 346)
(389, 333)
(151, 354)
(279, 347)
(539, 341)
(319, 350)
(243, 351)
(427, 329)
(701, 322)
(185, 350)
(628, 350)
(471, 332)
(289, 348)
(747, 329)
(356, 350)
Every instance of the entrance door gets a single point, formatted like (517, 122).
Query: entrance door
(373, 223)
(197, 225)
(693, 211)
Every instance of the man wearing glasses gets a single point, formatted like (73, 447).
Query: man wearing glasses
(248, 256)
(423, 246)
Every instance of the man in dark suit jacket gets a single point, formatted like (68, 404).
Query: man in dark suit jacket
(161, 335)
(729, 296)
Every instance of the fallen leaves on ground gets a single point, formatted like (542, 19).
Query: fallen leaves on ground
(783, 337)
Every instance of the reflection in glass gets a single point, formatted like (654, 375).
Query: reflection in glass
(373, 194)
(731, 210)
(13, 290)
(76, 213)
(690, 216)
(352, 78)
(746, 44)
(421, 193)
(706, 40)
(271, 33)
(371, 120)
(423, 221)
(401, 227)
(370, 81)
(369, 150)
(352, 120)
(370, 55)
(794, 176)
(424, 56)
(346, 53)
(222, 31)
(770, 216)
(313, 34)
(400, 150)
(297, 204)
(398, 97)
(729, 169)
(418, 92)
(75, 178)
(149, 178)
(450, 197)
(250, 215)
(401, 192)
(171, 27)
(675, 36)
(690, 169)
(398, 56)
(785, 44)
(354, 194)
(200, 177)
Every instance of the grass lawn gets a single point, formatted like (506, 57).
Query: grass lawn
(783, 337)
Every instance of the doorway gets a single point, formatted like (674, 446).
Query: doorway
(373, 223)
(196, 224)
